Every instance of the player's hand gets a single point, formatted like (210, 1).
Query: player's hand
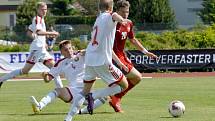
(55, 34)
(82, 52)
(152, 55)
(46, 77)
(123, 66)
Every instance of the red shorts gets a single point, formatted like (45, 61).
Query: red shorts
(124, 59)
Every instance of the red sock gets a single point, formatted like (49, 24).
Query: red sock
(130, 86)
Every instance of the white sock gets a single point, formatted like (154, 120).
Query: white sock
(107, 91)
(48, 99)
(11, 75)
(58, 82)
(97, 103)
(76, 105)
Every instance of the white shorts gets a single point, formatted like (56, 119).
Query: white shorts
(38, 56)
(108, 73)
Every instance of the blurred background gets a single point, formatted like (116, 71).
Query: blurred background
(74, 18)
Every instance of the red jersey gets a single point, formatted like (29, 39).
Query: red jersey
(122, 33)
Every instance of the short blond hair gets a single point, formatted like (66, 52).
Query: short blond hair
(105, 5)
(39, 4)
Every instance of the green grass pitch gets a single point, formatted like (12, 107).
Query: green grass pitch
(146, 102)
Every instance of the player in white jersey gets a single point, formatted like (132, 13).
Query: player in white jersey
(38, 52)
(72, 67)
(99, 60)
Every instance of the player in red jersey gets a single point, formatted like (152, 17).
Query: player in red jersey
(124, 32)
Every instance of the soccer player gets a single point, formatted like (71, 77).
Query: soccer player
(124, 32)
(38, 52)
(50, 41)
(98, 60)
(72, 66)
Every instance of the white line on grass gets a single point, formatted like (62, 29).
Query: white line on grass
(13, 80)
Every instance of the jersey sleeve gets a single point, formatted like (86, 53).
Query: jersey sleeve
(131, 32)
(57, 69)
(30, 27)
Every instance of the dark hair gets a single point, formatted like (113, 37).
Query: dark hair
(122, 4)
(63, 43)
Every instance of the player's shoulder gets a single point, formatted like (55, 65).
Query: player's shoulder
(59, 62)
(79, 55)
(130, 22)
(107, 14)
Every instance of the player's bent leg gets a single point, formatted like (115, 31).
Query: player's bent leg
(17, 72)
(64, 94)
(28, 66)
(11, 75)
(123, 83)
(134, 76)
(88, 86)
(50, 97)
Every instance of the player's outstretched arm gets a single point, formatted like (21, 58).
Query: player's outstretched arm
(118, 18)
(152, 55)
(140, 47)
(53, 34)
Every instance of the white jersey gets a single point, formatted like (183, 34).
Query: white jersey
(99, 50)
(39, 41)
(72, 69)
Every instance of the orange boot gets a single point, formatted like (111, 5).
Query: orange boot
(115, 102)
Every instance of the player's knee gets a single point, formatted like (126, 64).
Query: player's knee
(63, 94)
(135, 80)
(24, 71)
(138, 79)
(123, 84)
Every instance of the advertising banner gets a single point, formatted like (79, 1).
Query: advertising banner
(168, 59)
(15, 60)
(174, 59)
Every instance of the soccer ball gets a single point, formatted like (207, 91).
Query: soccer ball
(176, 108)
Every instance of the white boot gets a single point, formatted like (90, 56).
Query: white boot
(68, 118)
(35, 105)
